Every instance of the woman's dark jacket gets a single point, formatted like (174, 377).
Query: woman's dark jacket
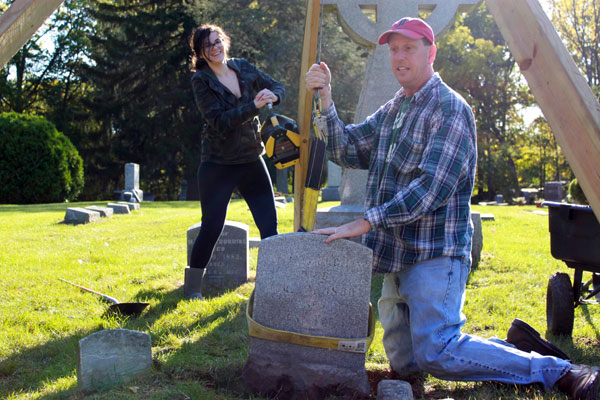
(231, 133)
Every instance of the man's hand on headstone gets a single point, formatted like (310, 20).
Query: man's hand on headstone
(349, 230)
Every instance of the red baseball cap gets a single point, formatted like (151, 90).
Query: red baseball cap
(414, 28)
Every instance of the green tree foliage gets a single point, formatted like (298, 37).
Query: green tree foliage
(541, 158)
(44, 76)
(578, 24)
(141, 76)
(38, 164)
(474, 59)
(577, 193)
(142, 99)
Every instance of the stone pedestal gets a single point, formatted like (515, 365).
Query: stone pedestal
(132, 183)
(306, 286)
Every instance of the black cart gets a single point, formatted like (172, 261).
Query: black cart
(574, 239)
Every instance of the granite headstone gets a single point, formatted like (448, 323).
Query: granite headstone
(132, 206)
(388, 389)
(228, 266)
(78, 215)
(553, 191)
(132, 181)
(119, 208)
(105, 212)
(112, 357)
(306, 286)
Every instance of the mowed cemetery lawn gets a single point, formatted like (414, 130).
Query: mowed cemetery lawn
(199, 348)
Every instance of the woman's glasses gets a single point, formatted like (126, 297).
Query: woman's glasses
(210, 46)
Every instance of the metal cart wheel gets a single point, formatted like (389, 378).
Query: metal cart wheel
(560, 306)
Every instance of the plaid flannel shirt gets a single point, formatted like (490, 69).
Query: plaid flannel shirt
(418, 204)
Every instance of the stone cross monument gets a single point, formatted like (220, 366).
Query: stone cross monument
(379, 84)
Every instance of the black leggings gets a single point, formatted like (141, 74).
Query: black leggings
(216, 183)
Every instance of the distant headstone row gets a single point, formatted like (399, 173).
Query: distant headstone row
(81, 215)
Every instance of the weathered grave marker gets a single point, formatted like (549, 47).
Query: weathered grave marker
(78, 215)
(132, 206)
(394, 390)
(119, 208)
(553, 191)
(306, 286)
(229, 265)
(104, 212)
(111, 357)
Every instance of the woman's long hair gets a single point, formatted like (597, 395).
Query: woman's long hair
(199, 41)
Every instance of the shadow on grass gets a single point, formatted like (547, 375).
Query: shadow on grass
(31, 369)
(216, 359)
(589, 319)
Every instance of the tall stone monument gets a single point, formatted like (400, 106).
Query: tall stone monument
(132, 190)
(379, 84)
(306, 286)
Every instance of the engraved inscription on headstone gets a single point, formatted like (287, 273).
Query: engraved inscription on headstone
(228, 266)
(304, 285)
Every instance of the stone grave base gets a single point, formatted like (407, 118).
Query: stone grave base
(287, 378)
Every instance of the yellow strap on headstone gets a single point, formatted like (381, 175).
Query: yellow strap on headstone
(351, 345)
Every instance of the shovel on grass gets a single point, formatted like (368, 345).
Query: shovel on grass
(132, 309)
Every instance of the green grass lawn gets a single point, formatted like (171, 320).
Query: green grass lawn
(199, 348)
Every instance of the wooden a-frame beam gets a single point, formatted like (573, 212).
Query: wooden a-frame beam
(560, 90)
(19, 22)
(309, 56)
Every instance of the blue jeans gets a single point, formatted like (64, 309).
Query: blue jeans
(420, 310)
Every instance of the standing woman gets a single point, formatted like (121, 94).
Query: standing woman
(229, 93)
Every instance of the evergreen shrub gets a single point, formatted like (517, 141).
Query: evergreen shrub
(576, 192)
(38, 164)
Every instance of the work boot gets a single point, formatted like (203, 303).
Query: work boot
(525, 338)
(581, 383)
(192, 285)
